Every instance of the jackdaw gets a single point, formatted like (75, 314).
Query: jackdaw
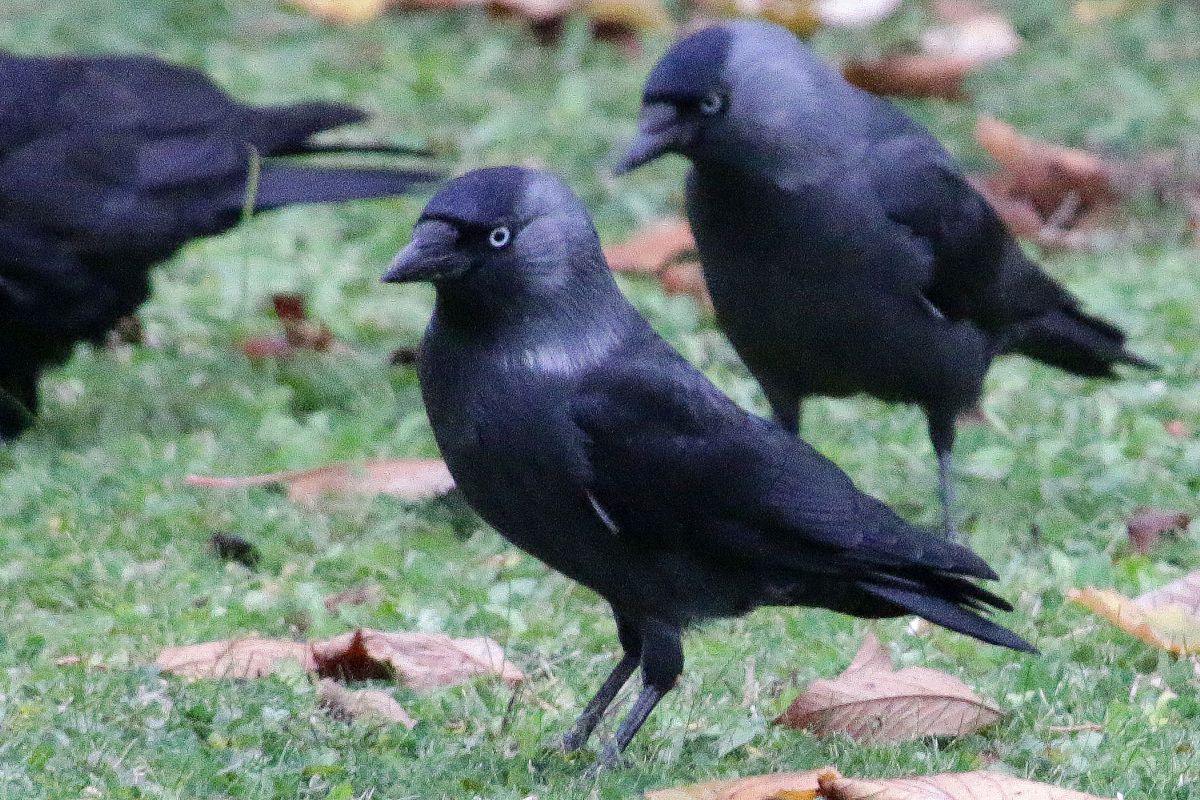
(585, 439)
(843, 248)
(110, 164)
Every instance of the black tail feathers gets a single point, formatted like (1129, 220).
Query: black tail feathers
(1071, 340)
(284, 184)
(957, 612)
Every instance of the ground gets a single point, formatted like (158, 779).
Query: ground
(104, 550)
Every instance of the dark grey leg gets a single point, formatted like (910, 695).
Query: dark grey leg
(785, 406)
(662, 663)
(941, 433)
(578, 735)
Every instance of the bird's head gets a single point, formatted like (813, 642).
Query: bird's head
(505, 238)
(735, 93)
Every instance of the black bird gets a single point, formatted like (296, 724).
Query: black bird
(843, 248)
(583, 438)
(108, 165)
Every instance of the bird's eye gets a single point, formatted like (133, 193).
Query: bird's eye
(500, 237)
(712, 104)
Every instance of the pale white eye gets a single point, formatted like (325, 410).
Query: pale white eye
(712, 104)
(500, 237)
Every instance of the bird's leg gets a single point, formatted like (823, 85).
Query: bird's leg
(578, 735)
(631, 642)
(662, 663)
(941, 432)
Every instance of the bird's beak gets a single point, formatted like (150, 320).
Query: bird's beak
(659, 132)
(431, 256)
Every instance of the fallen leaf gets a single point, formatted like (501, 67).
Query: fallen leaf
(911, 75)
(343, 12)
(412, 479)
(652, 248)
(1178, 429)
(349, 704)
(949, 52)
(1047, 174)
(1168, 617)
(421, 661)
(299, 332)
(252, 657)
(793, 785)
(948, 786)
(366, 594)
(230, 547)
(664, 249)
(801, 17)
(1147, 526)
(1184, 593)
(870, 702)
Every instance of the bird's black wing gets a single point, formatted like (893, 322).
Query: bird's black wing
(976, 270)
(676, 464)
(674, 467)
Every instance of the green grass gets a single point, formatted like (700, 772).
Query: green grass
(104, 551)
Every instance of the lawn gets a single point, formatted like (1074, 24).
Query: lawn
(105, 555)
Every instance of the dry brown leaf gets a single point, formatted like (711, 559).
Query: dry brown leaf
(248, 658)
(1178, 429)
(421, 661)
(949, 786)
(1147, 526)
(412, 479)
(343, 12)
(348, 704)
(949, 52)
(1184, 593)
(793, 785)
(365, 594)
(1047, 174)
(299, 332)
(870, 702)
(801, 17)
(632, 15)
(1168, 618)
(651, 249)
(911, 75)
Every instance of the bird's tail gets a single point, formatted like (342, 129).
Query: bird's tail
(949, 601)
(283, 130)
(289, 184)
(1074, 341)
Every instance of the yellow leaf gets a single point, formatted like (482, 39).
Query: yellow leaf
(344, 12)
(1169, 625)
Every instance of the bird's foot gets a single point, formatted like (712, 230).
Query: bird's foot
(572, 742)
(609, 758)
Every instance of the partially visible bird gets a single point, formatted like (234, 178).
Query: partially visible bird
(584, 439)
(843, 248)
(110, 164)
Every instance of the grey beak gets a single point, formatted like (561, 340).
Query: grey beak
(659, 132)
(431, 256)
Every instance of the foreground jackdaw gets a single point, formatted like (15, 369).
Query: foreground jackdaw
(583, 438)
(110, 164)
(843, 249)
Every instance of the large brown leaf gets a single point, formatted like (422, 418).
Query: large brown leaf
(666, 250)
(949, 786)
(421, 661)
(1168, 617)
(870, 702)
(1147, 526)
(412, 479)
(969, 38)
